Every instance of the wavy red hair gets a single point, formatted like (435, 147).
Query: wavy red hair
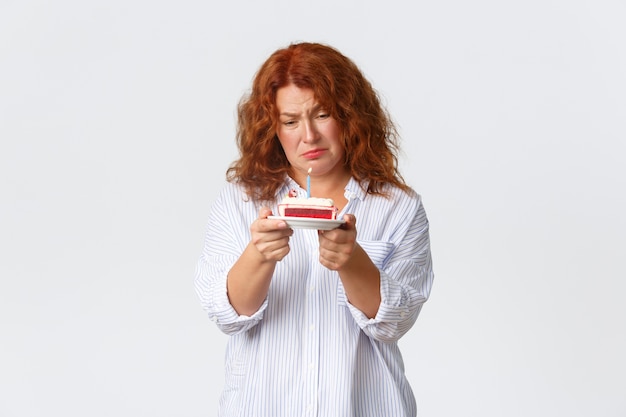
(368, 135)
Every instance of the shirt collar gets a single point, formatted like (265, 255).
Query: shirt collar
(354, 189)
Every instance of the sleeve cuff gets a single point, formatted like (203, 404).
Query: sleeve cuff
(393, 309)
(228, 319)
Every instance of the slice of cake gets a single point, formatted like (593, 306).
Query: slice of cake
(316, 208)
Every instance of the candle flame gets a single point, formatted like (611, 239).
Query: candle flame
(309, 171)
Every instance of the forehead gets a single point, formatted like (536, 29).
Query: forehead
(292, 96)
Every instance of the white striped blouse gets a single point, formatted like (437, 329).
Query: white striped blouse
(307, 351)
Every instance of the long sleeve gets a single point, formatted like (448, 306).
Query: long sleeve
(225, 239)
(406, 272)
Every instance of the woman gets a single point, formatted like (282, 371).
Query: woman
(315, 317)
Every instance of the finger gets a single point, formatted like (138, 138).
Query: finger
(328, 241)
(344, 234)
(273, 245)
(263, 224)
(330, 260)
(269, 225)
(269, 235)
(274, 250)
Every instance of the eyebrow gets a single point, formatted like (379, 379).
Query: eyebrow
(289, 114)
(315, 109)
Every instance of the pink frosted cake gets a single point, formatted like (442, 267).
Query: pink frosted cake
(316, 208)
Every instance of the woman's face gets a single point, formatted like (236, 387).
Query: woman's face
(308, 134)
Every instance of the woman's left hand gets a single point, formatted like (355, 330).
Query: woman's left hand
(340, 252)
(337, 245)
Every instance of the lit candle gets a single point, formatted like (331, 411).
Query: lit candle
(308, 183)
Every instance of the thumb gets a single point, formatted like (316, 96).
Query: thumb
(264, 212)
(350, 221)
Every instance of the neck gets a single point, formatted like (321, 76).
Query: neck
(330, 185)
(330, 188)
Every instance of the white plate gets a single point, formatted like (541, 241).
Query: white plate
(309, 223)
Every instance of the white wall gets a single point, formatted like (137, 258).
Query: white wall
(116, 127)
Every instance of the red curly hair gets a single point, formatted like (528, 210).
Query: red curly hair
(368, 135)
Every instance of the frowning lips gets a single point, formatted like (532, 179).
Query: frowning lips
(314, 153)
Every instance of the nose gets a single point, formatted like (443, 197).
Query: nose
(310, 132)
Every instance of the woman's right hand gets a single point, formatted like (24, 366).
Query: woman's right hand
(270, 237)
